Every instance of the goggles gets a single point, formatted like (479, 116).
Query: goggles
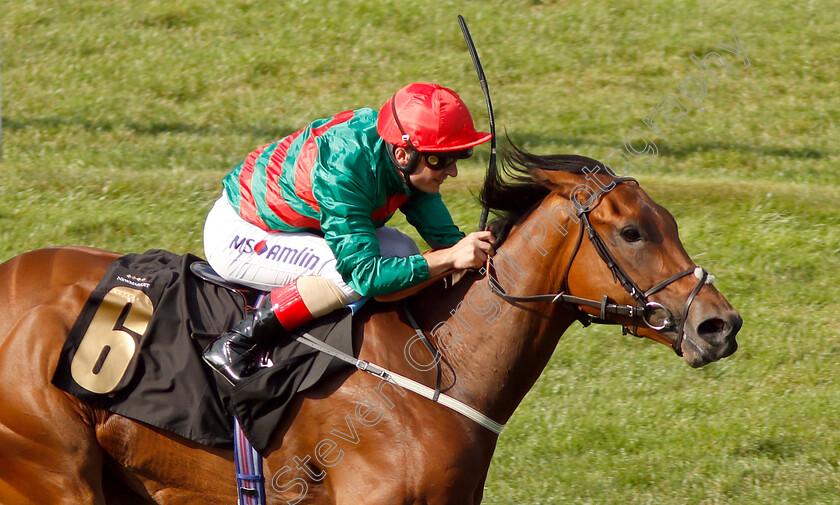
(439, 161)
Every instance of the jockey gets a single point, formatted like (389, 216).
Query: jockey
(304, 217)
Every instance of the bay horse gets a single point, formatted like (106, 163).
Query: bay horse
(354, 439)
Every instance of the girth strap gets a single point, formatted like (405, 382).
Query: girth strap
(431, 348)
(250, 482)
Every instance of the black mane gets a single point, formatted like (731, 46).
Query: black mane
(512, 192)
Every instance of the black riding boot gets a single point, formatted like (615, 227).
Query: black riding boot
(233, 355)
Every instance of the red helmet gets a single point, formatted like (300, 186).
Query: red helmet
(429, 118)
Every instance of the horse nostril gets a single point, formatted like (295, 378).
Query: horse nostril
(714, 327)
(719, 334)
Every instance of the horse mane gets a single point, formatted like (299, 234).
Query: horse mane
(512, 192)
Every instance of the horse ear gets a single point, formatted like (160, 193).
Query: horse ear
(568, 185)
(556, 180)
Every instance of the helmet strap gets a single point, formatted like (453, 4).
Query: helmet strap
(405, 170)
(414, 158)
(410, 166)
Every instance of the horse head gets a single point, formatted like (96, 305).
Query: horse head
(617, 256)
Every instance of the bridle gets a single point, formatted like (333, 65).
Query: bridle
(643, 312)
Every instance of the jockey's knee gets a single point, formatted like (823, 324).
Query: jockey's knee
(322, 296)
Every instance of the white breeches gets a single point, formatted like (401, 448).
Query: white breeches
(245, 253)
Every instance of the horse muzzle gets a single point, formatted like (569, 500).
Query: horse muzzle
(712, 338)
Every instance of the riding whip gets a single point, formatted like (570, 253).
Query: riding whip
(491, 168)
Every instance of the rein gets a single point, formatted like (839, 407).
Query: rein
(644, 311)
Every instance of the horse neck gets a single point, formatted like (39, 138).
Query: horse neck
(497, 350)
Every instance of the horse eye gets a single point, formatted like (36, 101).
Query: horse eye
(631, 234)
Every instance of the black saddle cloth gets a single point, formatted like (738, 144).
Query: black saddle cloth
(166, 384)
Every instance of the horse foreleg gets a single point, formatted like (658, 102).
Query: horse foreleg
(48, 447)
(48, 451)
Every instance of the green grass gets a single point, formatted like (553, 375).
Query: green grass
(120, 118)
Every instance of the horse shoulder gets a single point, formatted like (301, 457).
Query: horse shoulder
(42, 293)
(379, 432)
